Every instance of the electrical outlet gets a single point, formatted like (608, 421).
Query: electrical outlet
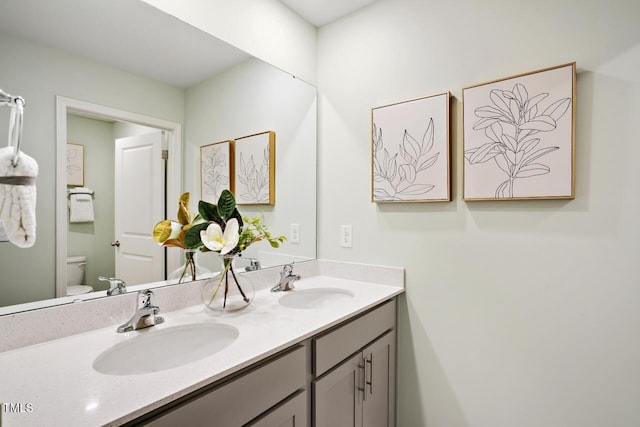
(346, 236)
(294, 233)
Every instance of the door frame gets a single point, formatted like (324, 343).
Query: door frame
(66, 106)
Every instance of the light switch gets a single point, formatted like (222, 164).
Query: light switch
(294, 233)
(346, 236)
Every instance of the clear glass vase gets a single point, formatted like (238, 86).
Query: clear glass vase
(190, 271)
(228, 290)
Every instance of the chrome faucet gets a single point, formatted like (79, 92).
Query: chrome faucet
(146, 314)
(116, 286)
(254, 264)
(286, 279)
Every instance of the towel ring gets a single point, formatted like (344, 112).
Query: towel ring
(15, 122)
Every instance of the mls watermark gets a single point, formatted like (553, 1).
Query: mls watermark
(14, 408)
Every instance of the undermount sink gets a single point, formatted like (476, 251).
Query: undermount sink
(160, 349)
(314, 297)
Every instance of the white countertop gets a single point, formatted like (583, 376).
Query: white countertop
(56, 385)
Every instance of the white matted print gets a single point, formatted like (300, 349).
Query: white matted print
(519, 136)
(254, 169)
(410, 151)
(215, 170)
(75, 165)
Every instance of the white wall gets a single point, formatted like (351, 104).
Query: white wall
(266, 29)
(91, 239)
(250, 98)
(516, 313)
(39, 73)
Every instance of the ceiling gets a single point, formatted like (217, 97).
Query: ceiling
(321, 12)
(139, 38)
(130, 35)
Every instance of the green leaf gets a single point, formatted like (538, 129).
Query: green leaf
(226, 204)
(236, 215)
(192, 236)
(209, 211)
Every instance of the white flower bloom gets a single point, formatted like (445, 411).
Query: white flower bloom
(214, 239)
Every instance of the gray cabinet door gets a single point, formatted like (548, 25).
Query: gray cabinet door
(338, 396)
(379, 389)
(291, 413)
(361, 391)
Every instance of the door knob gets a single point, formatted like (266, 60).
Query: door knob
(115, 244)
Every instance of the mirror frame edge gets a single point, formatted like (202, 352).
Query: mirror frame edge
(64, 106)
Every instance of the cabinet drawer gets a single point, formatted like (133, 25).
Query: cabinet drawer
(240, 400)
(338, 344)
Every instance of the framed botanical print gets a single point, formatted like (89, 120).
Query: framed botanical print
(254, 169)
(216, 164)
(75, 165)
(519, 136)
(410, 151)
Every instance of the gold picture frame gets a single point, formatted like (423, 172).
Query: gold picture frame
(216, 170)
(254, 170)
(410, 151)
(519, 136)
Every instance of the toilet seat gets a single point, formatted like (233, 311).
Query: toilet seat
(78, 289)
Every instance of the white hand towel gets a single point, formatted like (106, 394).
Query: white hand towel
(18, 197)
(80, 205)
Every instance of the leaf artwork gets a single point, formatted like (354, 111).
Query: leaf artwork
(73, 156)
(254, 178)
(397, 175)
(215, 177)
(513, 125)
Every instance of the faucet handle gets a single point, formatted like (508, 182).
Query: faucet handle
(116, 286)
(254, 264)
(287, 269)
(144, 298)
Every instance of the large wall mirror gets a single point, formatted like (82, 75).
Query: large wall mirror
(93, 72)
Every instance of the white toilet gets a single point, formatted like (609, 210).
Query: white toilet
(75, 276)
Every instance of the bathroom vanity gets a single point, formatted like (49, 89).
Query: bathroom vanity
(311, 356)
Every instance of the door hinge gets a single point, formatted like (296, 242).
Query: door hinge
(165, 154)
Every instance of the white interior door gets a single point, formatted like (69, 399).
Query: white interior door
(139, 205)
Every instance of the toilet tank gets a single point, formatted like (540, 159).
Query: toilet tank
(75, 270)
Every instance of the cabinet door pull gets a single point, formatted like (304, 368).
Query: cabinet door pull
(362, 373)
(369, 361)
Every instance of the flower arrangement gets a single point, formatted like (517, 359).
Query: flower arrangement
(217, 228)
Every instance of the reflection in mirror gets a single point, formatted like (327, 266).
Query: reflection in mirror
(242, 97)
